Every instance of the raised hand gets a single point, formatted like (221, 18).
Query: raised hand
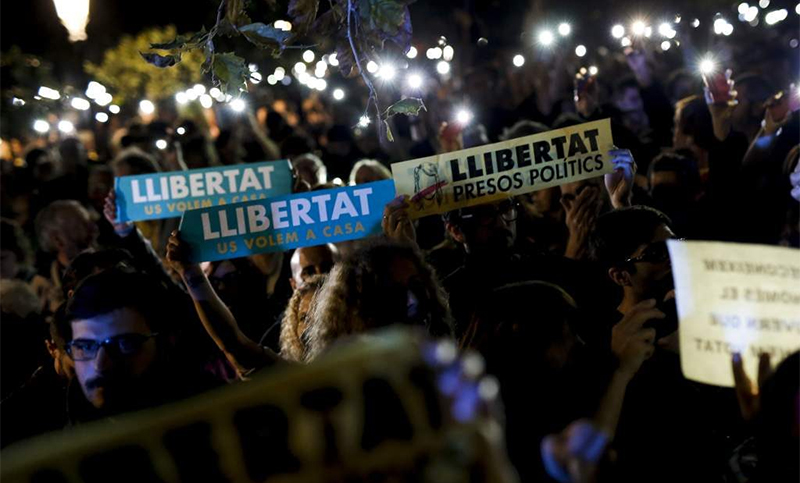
(745, 392)
(619, 183)
(573, 454)
(631, 343)
(581, 214)
(721, 105)
(122, 229)
(178, 256)
(396, 222)
(794, 178)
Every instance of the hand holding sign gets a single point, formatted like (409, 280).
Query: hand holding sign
(122, 229)
(397, 224)
(582, 211)
(619, 183)
(178, 255)
(745, 392)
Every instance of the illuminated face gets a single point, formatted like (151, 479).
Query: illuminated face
(111, 379)
(310, 261)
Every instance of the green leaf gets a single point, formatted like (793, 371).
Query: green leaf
(389, 135)
(410, 106)
(385, 15)
(403, 36)
(231, 71)
(160, 60)
(265, 36)
(181, 42)
(303, 13)
(234, 13)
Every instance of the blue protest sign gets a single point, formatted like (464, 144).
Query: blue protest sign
(168, 195)
(292, 221)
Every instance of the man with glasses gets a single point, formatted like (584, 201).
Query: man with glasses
(118, 326)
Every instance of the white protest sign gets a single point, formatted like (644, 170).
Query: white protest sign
(734, 298)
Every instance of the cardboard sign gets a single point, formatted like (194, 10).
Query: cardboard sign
(367, 411)
(448, 181)
(168, 195)
(734, 298)
(278, 224)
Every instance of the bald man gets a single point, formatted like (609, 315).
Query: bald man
(309, 261)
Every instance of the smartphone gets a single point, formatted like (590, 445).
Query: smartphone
(719, 86)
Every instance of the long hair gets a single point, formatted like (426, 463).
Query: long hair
(292, 340)
(353, 298)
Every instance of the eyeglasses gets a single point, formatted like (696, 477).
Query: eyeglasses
(654, 253)
(487, 214)
(123, 344)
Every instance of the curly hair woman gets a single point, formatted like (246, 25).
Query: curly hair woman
(295, 319)
(381, 283)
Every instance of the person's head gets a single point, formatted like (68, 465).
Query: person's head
(693, 128)
(310, 169)
(133, 161)
(631, 244)
(112, 328)
(524, 324)
(92, 262)
(674, 183)
(523, 128)
(101, 180)
(15, 251)
(367, 171)
(628, 100)
(65, 228)
(42, 164)
(308, 262)
(72, 154)
(752, 90)
(485, 230)
(682, 83)
(198, 152)
(295, 319)
(380, 283)
(230, 148)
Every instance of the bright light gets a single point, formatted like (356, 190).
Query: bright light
(17, 101)
(272, 80)
(648, 31)
(666, 30)
(518, 60)
(66, 127)
(437, 53)
(564, 29)
(695, 23)
(41, 126)
(322, 84)
(181, 98)
(776, 16)
(74, 14)
(238, 105)
(161, 144)
(303, 78)
(181, 131)
(546, 37)
(206, 102)
(626, 42)
(743, 8)
(463, 116)
(364, 121)
(763, 3)
(49, 93)
(200, 89)
(414, 81)
(283, 25)
(104, 99)
(372, 67)
(665, 45)
(147, 107)
(308, 56)
(387, 72)
(638, 27)
(617, 31)
(592, 70)
(443, 67)
(95, 89)
(797, 9)
(113, 109)
(101, 117)
(719, 25)
(192, 94)
(412, 52)
(80, 103)
(580, 50)
(751, 14)
(300, 68)
(332, 60)
(321, 65)
(338, 94)
(707, 66)
(727, 30)
(256, 77)
(448, 52)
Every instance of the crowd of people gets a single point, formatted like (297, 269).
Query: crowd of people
(566, 292)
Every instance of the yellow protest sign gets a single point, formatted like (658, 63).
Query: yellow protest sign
(734, 297)
(438, 184)
(369, 410)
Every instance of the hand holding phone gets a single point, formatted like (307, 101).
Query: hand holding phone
(719, 87)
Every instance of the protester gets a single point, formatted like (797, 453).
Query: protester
(295, 319)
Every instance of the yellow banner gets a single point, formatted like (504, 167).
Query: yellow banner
(438, 184)
(734, 297)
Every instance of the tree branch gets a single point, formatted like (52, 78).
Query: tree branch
(373, 94)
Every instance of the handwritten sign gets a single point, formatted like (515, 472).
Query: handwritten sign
(278, 224)
(438, 184)
(734, 298)
(168, 195)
